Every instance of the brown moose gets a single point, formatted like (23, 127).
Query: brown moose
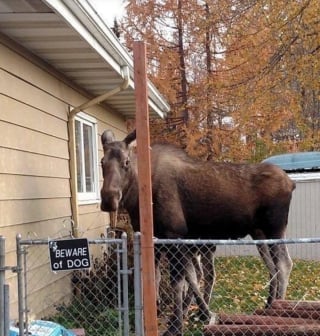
(207, 200)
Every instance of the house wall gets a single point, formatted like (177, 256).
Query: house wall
(34, 159)
(304, 216)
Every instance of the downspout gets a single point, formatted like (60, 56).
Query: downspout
(72, 144)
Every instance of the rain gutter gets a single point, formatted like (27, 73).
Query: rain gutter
(85, 20)
(72, 143)
(82, 17)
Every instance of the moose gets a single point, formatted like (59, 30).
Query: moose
(193, 199)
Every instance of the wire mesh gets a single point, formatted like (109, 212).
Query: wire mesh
(90, 300)
(231, 277)
(238, 300)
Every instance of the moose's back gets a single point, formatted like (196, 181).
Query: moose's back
(216, 200)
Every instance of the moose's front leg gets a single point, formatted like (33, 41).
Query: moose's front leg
(158, 277)
(177, 277)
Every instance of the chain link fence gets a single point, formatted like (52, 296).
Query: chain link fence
(241, 286)
(106, 299)
(95, 301)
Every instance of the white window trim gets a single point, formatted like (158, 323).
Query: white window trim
(90, 197)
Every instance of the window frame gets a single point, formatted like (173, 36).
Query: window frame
(85, 197)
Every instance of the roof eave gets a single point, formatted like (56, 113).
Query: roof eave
(85, 20)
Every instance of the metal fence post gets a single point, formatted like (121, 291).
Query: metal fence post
(20, 285)
(125, 290)
(2, 280)
(6, 310)
(137, 285)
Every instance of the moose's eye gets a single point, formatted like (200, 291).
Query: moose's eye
(126, 163)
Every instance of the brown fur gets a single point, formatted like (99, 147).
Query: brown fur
(195, 199)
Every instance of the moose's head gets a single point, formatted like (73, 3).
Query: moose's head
(116, 166)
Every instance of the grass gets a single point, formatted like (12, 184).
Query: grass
(242, 283)
(241, 287)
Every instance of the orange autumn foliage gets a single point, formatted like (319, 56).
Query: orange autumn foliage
(242, 77)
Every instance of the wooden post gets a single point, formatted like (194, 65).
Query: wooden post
(145, 190)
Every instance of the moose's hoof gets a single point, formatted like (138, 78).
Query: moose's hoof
(172, 333)
(174, 327)
(205, 316)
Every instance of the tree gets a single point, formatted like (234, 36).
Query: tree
(242, 77)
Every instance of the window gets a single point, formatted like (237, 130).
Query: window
(86, 153)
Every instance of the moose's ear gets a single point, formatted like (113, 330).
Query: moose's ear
(107, 137)
(130, 137)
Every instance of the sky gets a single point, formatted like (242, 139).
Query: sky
(109, 9)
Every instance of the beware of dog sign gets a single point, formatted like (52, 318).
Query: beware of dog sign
(69, 254)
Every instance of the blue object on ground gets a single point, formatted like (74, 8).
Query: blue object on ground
(43, 328)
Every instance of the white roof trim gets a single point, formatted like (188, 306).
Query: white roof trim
(305, 176)
(83, 18)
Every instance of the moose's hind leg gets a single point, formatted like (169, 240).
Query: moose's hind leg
(209, 274)
(283, 265)
(279, 264)
(194, 286)
(265, 254)
(194, 272)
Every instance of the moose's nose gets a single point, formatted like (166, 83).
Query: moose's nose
(110, 200)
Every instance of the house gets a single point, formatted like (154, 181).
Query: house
(64, 78)
(303, 222)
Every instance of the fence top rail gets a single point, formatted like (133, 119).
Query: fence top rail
(235, 241)
(90, 241)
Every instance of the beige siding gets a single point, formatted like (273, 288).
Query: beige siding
(17, 89)
(24, 139)
(17, 162)
(34, 168)
(44, 300)
(54, 228)
(20, 212)
(95, 223)
(32, 187)
(18, 113)
(119, 132)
